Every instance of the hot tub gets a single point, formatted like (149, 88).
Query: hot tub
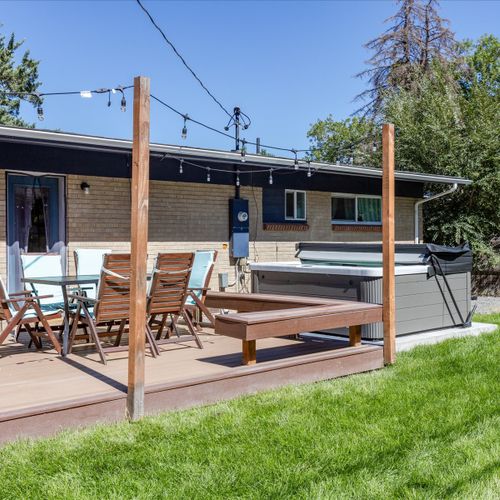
(354, 272)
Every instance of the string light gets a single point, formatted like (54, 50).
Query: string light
(208, 174)
(184, 131)
(85, 94)
(181, 161)
(374, 147)
(220, 132)
(39, 112)
(309, 173)
(271, 177)
(123, 102)
(237, 178)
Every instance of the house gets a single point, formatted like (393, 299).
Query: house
(62, 191)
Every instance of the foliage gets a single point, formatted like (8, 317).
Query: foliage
(265, 152)
(447, 122)
(454, 129)
(428, 427)
(16, 77)
(354, 140)
(416, 37)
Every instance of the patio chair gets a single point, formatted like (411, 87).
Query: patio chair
(168, 293)
(39, 265)
(22, 309)
(111, 306)
(203, 265)
(89, 261)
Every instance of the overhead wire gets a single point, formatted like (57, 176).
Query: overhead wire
(39, 95)
(184, 62)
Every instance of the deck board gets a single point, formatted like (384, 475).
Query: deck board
(79, 390)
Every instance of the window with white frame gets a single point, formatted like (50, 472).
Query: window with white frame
(295, 205)
(356, 209)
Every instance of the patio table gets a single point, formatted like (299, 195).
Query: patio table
(64, 282)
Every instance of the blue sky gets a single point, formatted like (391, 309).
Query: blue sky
(286, 64)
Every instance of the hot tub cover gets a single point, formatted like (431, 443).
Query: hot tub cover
(446, 260)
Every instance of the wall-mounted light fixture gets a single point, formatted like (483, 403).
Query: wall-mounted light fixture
(85, 187)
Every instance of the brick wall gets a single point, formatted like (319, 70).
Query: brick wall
(187, 216)
(3, 224)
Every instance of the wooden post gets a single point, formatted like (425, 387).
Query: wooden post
(249, 352)
(139, 247)
(355, 335)
(389, 308)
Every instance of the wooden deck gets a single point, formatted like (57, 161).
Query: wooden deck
(41, 393)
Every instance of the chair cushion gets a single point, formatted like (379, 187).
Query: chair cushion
(36, 266)
(203, 259)
(90, 309)
(53, 307)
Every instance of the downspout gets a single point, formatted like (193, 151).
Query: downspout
(425, 200)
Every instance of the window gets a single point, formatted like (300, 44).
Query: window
(295, 205)
(356, 209)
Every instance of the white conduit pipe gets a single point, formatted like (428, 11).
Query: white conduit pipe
(425, 200)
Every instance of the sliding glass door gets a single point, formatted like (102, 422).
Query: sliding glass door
(35, 220)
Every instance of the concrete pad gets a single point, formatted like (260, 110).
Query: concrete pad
(407, 342)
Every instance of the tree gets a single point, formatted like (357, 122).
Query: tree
(449, 123)
(417, 36)
(21, 77)
(354, 140)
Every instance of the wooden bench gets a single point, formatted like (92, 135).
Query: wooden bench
(263, 315)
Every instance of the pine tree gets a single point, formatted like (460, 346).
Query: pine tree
(404, 51)
(22, 77)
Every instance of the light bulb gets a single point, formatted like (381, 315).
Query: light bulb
(39, 111)
(123, 104)
(270, 177)
(238, 178)
(208, 175)
(180, 166)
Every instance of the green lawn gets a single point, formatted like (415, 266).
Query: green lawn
(428, 427)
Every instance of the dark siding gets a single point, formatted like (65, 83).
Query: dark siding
(273, 204)
(64, 160)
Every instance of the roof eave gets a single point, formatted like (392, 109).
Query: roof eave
(110, 144)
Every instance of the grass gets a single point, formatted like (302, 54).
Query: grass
(427, 427)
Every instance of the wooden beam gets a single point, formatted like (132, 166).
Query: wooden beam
(139, 244)
(389, 308)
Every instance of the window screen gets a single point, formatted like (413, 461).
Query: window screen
(369, 210)
(343, 209)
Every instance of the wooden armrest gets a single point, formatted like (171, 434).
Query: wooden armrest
(23, 293)
(31, 298)
(201, 288)
(82, 298)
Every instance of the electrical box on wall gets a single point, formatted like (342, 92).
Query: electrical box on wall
(239, 225)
